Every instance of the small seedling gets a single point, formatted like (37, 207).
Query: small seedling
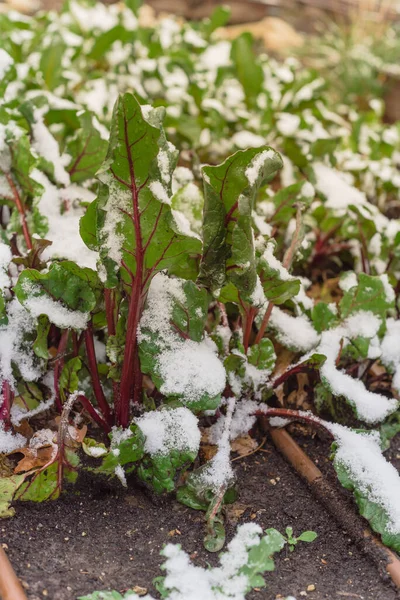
(306, 536)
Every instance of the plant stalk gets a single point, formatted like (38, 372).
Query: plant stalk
(94, 373)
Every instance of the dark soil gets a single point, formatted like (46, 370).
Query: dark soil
(99, 536)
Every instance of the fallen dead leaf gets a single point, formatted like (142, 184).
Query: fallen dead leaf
(140, 591)
(244, 445)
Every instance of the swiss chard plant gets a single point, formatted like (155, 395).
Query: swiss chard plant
(176, 262)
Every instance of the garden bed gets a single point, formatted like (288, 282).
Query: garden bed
(100, 536)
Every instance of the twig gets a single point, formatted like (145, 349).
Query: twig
(252, 452)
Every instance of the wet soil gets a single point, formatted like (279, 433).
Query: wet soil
(99, 536)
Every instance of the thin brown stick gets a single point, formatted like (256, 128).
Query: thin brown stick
(330, 499)
(252, 452)
(10, 586)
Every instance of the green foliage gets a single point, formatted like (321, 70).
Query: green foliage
(375, 514)
(227, 226)
(306, 536)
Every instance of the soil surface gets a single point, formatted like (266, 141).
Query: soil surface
(99, 536)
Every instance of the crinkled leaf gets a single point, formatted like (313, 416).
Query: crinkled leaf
(262, 355)
(87, 150)
(229, 195)
(40, 346)
(187, 323)
(160, 471)
(8, 487)
(134, 223)
(260, 558)
(129, 450)
(323, 317)
(69, 380)
(368, 295)
(76, 288)
(374, 513)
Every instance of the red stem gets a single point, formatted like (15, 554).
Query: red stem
(249, 319)
(62, 346)
(94, 373)
(287, 413)
(264, 323)
(20, 208)
(130, 367)
(88, 406)
(5, 411)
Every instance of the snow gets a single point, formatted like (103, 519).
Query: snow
(159, 192)
(119, 199)
(5, 259)
(63, 229)
(258, 297)
(254, 169)
(120, 473)
(390, 348)
(170, 429)
(389, 291)
(56, 312)
(189, 369)
(183, 224)
(338, 192)
(247, 139)
(13, 349)
(218, 472)
(348, 280)
(377, 479)
(9, 442)
(46, 145)
(370, 407)
(6, 62)
(294, 332)
(288, 124)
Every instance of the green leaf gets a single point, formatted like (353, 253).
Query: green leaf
(69, 380)
(278, 285)
(323, 317)
(229, 193)
(214, 542)
(247, 66)
(185, 324)
(65, 286)
(307, 536)
(8, 487)
(135, 226)
(105, 40)
(262, 355)
(93, 448)
(368, 295)
(260, 559)
(42, 486)
(159, 471)
(219, 17)
(40, 346)
(127, 447)
(105, 596)
(87, 150)
(375, 514)
(51, 63)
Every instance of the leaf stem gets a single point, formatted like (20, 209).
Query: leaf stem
(59, 363)
(5, 411)
(21, 209)
(131, 365)
(94, 373)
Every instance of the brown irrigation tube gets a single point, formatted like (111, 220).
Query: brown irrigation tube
(10, 586)
(329, 497)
